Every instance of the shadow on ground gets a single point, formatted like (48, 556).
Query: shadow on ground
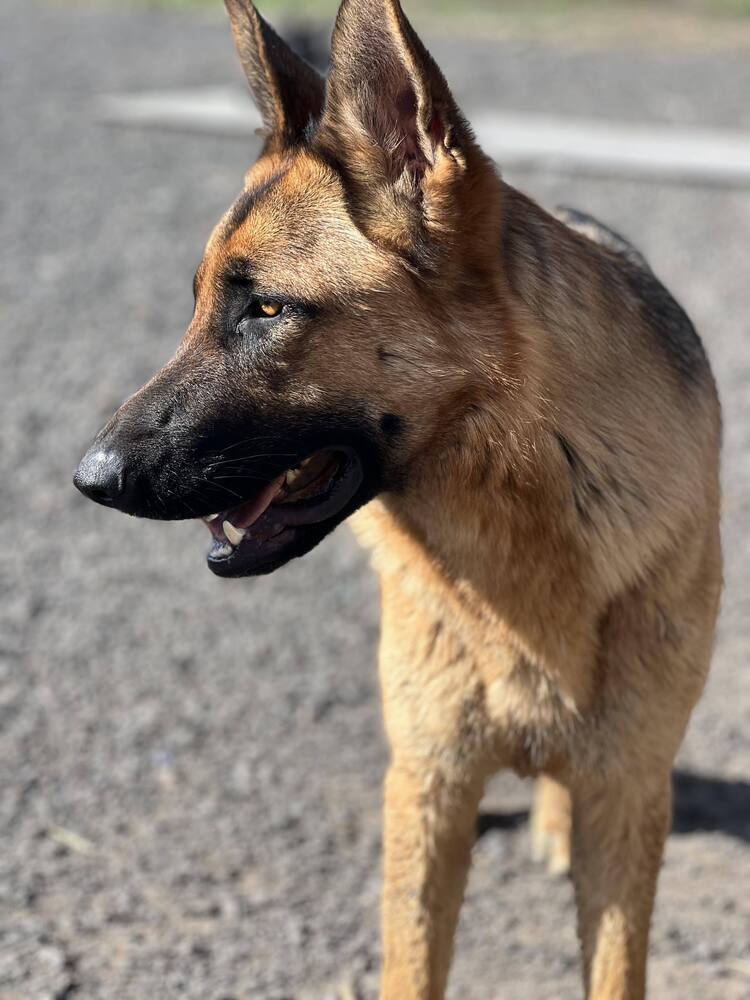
(701, 805)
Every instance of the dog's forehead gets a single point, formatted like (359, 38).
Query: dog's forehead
(292, 225)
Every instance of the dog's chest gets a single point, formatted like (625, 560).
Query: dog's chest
(533, 723)
(457, 680)
(530, 721)
(454, 689)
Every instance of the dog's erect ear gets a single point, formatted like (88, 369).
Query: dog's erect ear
(383, 79)
(287, 90)
(390, 119)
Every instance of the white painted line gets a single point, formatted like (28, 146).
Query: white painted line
(218, 110)
(658, 151)
(611, 147)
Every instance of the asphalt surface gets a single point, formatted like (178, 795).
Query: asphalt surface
(190, 779)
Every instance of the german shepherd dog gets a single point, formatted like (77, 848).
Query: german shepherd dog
(529, 423)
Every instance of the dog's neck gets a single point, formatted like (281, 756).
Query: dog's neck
(497, 513)
(502, 456)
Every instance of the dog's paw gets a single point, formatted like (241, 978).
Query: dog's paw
(551, 848)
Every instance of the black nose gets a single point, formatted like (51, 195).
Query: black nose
(101, 476)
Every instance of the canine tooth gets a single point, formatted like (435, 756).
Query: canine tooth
(222, 551)
(210, 517)
(291, 476)
(235, 535)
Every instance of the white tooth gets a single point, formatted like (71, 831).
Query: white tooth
(235, 535)
(291, 476)
(221, 551)
(210, 517)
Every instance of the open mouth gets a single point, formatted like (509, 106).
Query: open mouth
(262, 532)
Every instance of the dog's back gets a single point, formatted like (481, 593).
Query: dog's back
(595, 230)
(668, 319)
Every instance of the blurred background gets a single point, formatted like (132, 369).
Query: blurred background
(190, 769)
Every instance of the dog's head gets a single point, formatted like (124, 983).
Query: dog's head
(326, 358)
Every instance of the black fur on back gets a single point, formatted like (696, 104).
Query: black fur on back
(668, 319)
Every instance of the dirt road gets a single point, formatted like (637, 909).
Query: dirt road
(190, 783)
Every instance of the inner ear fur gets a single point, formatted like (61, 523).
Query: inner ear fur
(392, 124)
(289, 93)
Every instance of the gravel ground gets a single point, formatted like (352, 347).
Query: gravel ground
(190, 792)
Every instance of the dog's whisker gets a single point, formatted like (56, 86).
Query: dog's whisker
(251, 440)
(226, 488)
(187, 506)
(251, 458)
(239, 475)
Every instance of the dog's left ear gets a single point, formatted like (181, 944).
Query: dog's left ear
(289, 92)
(391, 123)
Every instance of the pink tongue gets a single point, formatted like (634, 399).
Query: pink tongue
(248, 513)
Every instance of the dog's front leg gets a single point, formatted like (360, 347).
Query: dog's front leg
(429, 830)
(434, 717)
(619, 831)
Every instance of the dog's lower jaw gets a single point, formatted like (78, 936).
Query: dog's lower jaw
(288, 516)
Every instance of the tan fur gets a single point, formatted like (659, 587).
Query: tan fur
(550, 567)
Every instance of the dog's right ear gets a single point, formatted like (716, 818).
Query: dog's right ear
(289, 92)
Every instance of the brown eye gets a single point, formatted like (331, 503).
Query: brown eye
(270, 308)
(261, 315)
